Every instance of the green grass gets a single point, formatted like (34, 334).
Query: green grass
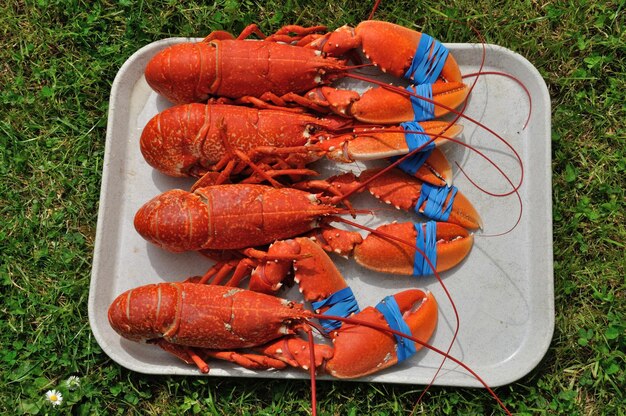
(58, 60)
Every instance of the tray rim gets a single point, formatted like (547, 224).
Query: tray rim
(124, 73)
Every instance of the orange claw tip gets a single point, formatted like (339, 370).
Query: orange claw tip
(436, 169)
(464, 214)
(450, 94)
(453, 245)
(419, 312)
(379, 253)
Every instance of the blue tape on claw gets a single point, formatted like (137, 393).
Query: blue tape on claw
(422, 109)
(435, 197)
(414, 141)
(340, 303)
(426, 66)
(426, 241)
(391, 311)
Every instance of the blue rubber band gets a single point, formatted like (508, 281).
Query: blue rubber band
(411, 164)
(426, 241)
(426, 67)
(342, 303)
(435, 197)
(422, 109)
(405, 348)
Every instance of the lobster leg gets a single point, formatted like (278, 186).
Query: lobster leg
(295, 352)
(187, 354)
(247, 360)
(281, 35)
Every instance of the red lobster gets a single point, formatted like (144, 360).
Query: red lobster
(234, 217)
(266, 70)
(193, 139)
(193, 320)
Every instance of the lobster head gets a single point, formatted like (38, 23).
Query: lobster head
(136, 314)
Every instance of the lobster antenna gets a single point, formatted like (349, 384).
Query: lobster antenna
(373, 10)
(312, 371)
(378, 327)
(515, 188)
(520, 83)
(450, 109)
(519, 198)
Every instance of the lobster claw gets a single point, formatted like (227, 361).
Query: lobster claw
(382, 143)
(361, 350)
(404, 191)
(268, 277)
(445, 246)
(381, 105)
(385, 106)
(390, 47)
(375, 35)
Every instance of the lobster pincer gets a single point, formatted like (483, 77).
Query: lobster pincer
(404, 192)
(406, 248)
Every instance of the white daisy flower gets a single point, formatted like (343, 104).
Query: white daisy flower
(72, 382)
(54, 397)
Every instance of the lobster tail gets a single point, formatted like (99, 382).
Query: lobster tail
(141, 314)
(175, 220)
(176, 72)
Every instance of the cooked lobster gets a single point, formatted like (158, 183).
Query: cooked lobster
(268, 71)
(195, 322)
(235, 217)
(194, 139)
(185, 317)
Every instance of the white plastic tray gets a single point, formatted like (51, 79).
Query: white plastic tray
(503, 290)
